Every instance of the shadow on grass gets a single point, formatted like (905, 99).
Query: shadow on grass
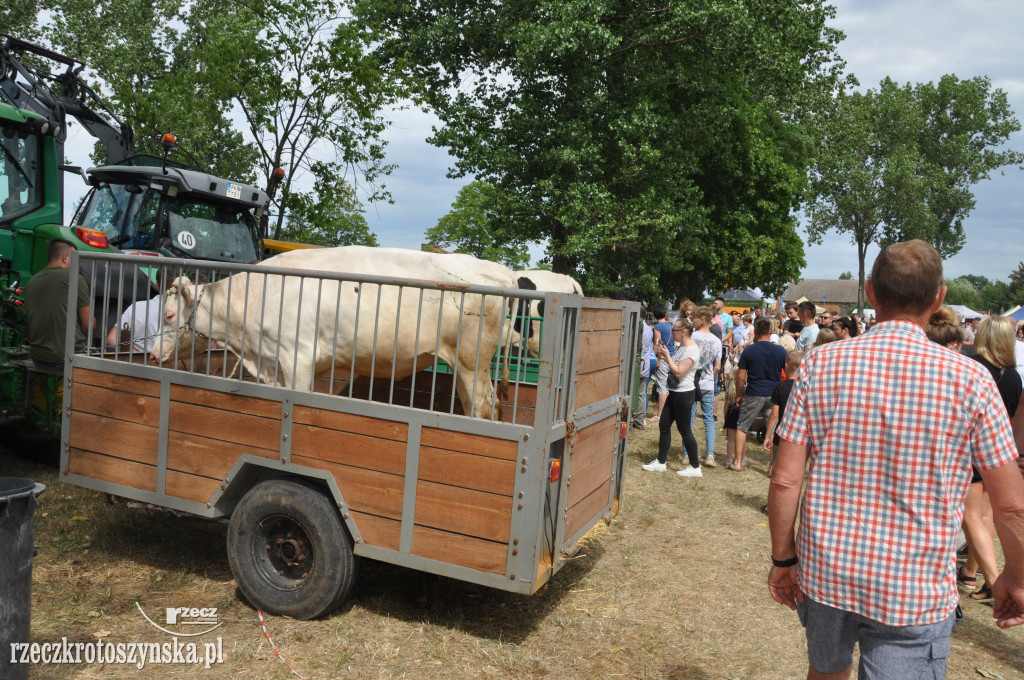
(748, 500)
(683, 671)
(416, 596)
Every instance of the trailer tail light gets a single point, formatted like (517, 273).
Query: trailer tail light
(92, 237)
(556, 471)
(623, 430)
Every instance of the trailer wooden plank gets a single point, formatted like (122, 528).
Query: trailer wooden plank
(123, 383)
(346, 448)
(207, 456)
(593, 442)
(594, 387)
(588, 508)
(348, 422)
(379, 531)
(235, 403)
(584, 480)
(597, 350)
(190, 487)
(466, 470)
(108, 403)
(478, 444)
(109, 469)
(116, 438)
(368, 491)
(464, 511)
(233, 427)
(464, 551)
(598, 319)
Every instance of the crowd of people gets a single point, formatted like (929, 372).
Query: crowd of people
(885, 437)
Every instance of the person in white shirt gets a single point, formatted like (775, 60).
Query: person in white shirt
(139, 326)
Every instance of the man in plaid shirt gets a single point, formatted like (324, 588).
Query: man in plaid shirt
(891, 423)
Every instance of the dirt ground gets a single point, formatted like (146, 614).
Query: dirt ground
(674, 588)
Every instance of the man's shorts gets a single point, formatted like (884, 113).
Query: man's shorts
(750, 408)
(886, 652)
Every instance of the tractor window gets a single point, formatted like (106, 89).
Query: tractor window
(21, 189)
(210, 231)
(105, 209)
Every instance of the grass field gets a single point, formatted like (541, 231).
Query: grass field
(674, 588)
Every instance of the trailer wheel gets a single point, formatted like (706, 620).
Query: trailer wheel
(289, 550)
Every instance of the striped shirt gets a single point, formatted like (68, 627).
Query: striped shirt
(893, 422)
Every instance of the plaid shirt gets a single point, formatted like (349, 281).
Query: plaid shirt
(893, 422)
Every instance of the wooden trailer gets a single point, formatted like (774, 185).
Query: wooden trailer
(365, 465)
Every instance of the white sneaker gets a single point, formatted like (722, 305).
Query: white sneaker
(655, 466)
(690, 472)
(709, 461)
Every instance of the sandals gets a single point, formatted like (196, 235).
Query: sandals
(966, 581)
(982, 594)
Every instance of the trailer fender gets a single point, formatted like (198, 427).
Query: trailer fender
(250, 470)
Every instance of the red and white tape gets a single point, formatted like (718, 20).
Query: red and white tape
(263, 625)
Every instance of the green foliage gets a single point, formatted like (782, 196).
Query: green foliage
(899, 162)
(19, 18)
(846, 276)
(996, 297)
(298, 72)
(658, 151)
(330, 215)
(960, 291)
(470, 228)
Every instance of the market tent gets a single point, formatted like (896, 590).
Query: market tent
(1017, 315)
(965, 312)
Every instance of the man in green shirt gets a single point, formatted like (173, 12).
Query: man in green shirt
(46, 308)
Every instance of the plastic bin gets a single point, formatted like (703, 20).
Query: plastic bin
(17, 503)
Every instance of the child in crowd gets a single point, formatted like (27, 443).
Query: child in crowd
(732, 411)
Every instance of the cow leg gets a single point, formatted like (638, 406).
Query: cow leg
(467, 381)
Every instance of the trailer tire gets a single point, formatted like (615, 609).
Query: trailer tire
(289, 550)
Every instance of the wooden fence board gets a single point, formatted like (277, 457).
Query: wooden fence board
(118, 438)
(264, 433)
(593, 442)
(577, 516)
(465, 511)
(467, 470)
(234, 403)
(584, 480)
(367, 491)
(108, 403)
(109, 469)
(457, 549)
(346, 448)
(123, 383)
(190, 487)
(347, 422)
(469, 443)
(596, 319)
(598, 350)
(379, 531)
(207, 457)
(594, 387)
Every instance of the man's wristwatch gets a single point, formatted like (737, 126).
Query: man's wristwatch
(783, 564)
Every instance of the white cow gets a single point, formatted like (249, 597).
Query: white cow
(289, 329)
(550, 282)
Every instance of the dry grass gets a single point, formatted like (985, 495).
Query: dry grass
(674, 588)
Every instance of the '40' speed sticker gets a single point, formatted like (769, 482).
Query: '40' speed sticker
(186, 240)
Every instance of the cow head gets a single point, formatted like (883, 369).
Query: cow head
(522, 314)
(177, 334)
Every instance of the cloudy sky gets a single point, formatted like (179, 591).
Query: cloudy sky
(908, 40)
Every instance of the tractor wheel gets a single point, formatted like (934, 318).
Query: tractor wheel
(289, 550)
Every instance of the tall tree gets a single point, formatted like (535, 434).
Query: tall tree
(330, 215)
(20, 18)
(656, 148)
(297, 72)
(899, 162)
(470, 227)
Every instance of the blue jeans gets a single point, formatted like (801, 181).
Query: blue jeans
(647, 383)
(707, 408)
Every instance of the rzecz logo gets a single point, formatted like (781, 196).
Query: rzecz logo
(181, 617)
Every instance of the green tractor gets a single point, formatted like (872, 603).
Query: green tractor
(140, 205)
